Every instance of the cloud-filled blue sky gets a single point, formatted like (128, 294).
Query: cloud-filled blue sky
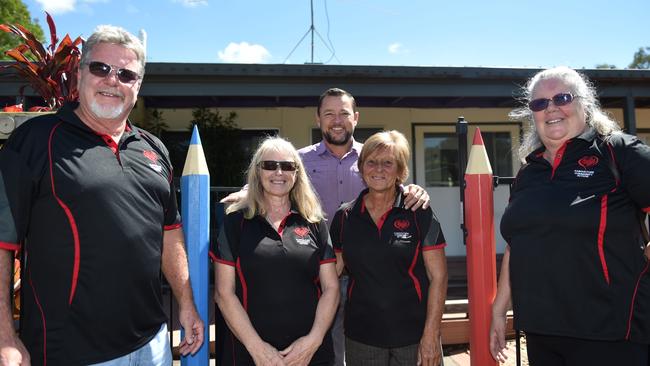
(511, 33)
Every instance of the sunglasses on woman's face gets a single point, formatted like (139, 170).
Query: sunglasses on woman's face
(102, 70)
(285, 166)
(559, 100)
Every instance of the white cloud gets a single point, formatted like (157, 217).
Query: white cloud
(192, 3)
(57, 6)
(244, 53)
(395, 48)
(64, 6)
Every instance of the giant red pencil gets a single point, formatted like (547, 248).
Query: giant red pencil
(481, 257)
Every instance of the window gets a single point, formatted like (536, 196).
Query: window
(360, 134)
(441, 156)
(178, 142)
(499, 151)
(440, 159)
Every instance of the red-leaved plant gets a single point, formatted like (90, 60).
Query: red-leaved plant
(51, 71)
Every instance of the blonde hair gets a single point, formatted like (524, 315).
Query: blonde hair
(302, 196)
(579, 86)
(393, 141)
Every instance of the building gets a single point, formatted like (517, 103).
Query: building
(422, 102)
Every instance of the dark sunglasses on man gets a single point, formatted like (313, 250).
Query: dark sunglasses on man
(102, 70)
(285, 166)
(559, 100)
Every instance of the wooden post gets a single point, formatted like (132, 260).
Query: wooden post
(195, 210)
(481, 251)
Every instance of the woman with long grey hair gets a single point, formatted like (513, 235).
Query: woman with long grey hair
(574, 269)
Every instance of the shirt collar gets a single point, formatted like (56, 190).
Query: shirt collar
(67, 114)
(588, 135)
(360, 206)
(321, 147)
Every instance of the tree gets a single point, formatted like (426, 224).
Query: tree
(154, 122)
(605, 66)
(641, 59)
(219, 136)
(15, 12)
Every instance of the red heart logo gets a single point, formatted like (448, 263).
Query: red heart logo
(150, 155)
(401, 224)
(588, 161)
(301, 231)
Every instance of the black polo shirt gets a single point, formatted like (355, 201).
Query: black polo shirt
(89, 215)
(277, 277)
(388, 287)
(576, 251)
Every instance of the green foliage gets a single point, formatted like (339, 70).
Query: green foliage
(51, 71)
(154, 122)
(641, 59)
(224, 155)
(605, 66)
(15, 12)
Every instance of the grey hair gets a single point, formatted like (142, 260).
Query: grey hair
(114, 35)
(580, 86)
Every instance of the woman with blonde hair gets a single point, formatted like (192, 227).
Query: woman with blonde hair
(276, 282)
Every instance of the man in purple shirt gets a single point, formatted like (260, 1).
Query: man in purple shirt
(332, 168)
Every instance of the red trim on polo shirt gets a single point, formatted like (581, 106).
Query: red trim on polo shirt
(223, 261)
(9, 246)
(173, 226)
(558, 157)
(68, 213)
(416, 283)
(601, 236)
(350, 287)
(244, 287)
(636, 288)
(212, 256)
(40, 308)
(432, 247)
(325, 261)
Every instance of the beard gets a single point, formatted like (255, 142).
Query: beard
(106, 112)
(337, 142)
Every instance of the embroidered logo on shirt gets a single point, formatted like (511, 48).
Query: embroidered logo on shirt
(587, 163)
(151, 155)
(301, 231)
(302, 235)
(401, 224)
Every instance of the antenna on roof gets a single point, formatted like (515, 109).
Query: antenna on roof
(312, 30)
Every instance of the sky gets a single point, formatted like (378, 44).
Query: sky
(486, 33)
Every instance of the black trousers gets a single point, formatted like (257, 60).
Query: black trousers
(565, 351)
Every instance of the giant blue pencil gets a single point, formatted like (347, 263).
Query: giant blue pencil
(195, 209)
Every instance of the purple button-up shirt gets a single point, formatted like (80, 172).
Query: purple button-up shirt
(335, 180)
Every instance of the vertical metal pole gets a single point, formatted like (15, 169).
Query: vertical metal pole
(461, 132)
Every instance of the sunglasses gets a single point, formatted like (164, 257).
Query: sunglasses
(285, 166)
(102, 70)
(559, 100)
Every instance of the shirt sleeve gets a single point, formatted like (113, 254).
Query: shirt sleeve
(635, 168)
(226, 249)
(20, 169)
(430, 231)
(336, 227)
(325, 244)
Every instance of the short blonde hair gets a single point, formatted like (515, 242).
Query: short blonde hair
(395, 142)
(302, 195)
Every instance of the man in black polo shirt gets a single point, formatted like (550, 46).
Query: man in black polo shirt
(89, 199)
